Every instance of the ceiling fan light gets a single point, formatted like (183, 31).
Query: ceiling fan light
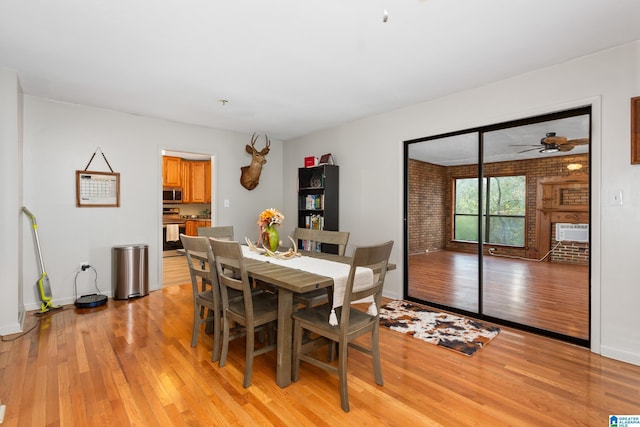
(550, 150)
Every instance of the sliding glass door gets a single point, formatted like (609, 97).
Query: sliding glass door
(442, 177)
(483, 210)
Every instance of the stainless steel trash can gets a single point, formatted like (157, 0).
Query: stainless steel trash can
(130, 271)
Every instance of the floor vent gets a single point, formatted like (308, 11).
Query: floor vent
(572, 232)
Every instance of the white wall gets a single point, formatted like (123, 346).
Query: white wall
(369, 152)
(11, 301)
(59, 138)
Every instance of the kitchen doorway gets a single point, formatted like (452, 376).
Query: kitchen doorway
(497, 223)
(187, 203)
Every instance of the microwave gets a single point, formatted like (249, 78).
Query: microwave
(172, 195)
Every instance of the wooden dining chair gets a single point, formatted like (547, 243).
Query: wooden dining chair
(319, 238)
(352, 322)
(207, 306)
(254, 311)
(222, 232)
(324, 238)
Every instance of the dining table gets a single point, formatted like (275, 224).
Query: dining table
(287, 281)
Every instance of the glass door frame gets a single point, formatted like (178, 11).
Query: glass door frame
(481, 131)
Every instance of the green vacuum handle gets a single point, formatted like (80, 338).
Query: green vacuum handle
(33, 217)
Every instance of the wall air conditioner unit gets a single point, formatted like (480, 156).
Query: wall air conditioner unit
(572, 232)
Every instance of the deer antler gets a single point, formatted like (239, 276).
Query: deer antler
(291, 253)
(265, 150)
(294, 245)
(252, 247)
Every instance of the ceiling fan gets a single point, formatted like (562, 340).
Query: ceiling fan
(552, 144)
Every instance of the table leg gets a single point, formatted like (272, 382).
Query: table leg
(284, 344)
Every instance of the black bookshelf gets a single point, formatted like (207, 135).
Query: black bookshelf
(318, 200)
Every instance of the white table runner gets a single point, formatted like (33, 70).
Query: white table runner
(338, 271)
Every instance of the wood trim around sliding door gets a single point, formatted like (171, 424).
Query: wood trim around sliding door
(635, 130)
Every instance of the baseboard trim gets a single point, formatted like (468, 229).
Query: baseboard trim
(621, 355)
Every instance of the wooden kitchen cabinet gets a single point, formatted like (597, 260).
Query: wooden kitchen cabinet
(171, 171)
(191, 226)
(186, 182)
(193, 176)
(200, 177)
(196, 181)
(203, 223)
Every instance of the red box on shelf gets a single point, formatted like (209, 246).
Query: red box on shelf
(310, 161)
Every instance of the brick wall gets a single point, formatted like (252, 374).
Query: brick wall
(431, 185)
(427, 206)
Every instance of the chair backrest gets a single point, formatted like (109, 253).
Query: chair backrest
(229, 253)
(375, 257)
(196, 268)
(339, 238)
(221, 232)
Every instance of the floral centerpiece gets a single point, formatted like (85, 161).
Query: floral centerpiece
(268, 222)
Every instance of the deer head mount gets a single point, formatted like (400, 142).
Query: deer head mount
(251, 174)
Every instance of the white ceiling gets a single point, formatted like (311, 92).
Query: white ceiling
(291, 67)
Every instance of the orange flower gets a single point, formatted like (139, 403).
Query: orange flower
(269, 217)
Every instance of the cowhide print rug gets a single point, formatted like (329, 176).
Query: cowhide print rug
(456, 333)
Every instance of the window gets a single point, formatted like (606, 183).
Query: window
(504, 199)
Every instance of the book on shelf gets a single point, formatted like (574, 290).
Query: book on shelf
(326, 159)
(307, 245)
(314, 202)
(314, 222)
(310, 161)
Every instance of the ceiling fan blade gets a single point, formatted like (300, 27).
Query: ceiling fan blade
(565, 147)
(579, 141)
(530, 149)
(554, 140)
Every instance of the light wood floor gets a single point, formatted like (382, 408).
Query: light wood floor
(175, 271)
(549, 296)
(130, 363)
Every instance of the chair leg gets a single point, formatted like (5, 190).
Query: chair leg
(215, 354)
(196, 326)
(342, 375)
(272, 333)
(248, 364)
(375, 350)
(225, 341)
(331, 355)
(297, 348)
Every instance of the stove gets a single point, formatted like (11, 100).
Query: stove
(171, 216)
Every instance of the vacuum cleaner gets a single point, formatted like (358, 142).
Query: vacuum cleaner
(43, 285)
